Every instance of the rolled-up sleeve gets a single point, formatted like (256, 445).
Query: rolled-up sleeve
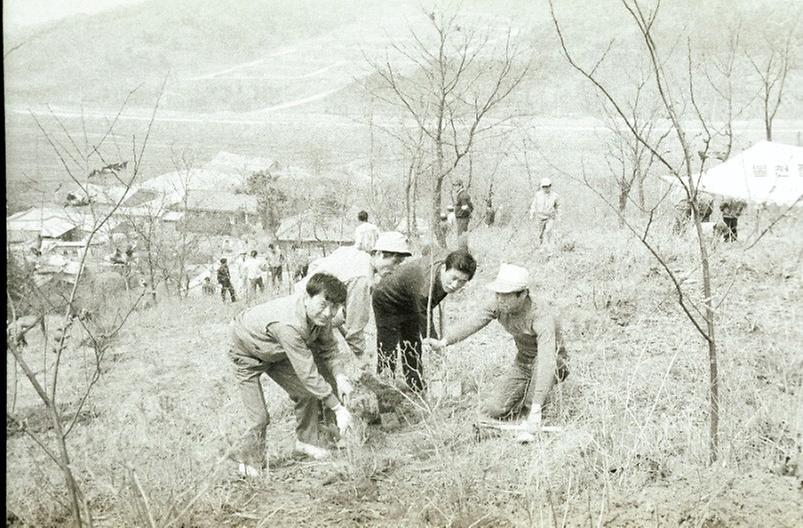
(546, 359)
(300, 357)
(358, 306)
(475, 323)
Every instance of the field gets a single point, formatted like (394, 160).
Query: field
(633, 450)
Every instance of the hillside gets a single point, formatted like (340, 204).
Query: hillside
(268, 55)
(632, 453)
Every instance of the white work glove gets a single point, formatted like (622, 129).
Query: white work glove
(344, 387)
(343, 418)
(530, 427)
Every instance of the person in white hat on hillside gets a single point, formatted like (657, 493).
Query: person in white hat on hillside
(360, 271)
(545, 209)
(541, 360)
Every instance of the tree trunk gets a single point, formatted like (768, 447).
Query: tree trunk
(408, 201)
(623, 193)
(415, 199)
(435, 217)
(64, 458)
(641, 198)
(713, 371)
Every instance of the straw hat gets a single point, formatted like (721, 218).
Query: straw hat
(510, 279)
(392, 242)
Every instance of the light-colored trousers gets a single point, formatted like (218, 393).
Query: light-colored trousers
(546, 231)
(311, 414)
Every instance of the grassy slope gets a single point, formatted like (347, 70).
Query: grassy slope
(633, 451)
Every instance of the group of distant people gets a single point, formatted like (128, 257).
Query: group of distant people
(291, 339)
(254, 273)
(730, 209)
(543, 209)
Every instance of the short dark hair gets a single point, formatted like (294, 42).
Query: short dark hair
(461, 260)
(270, 246)
(223, 261)
(362, 216)
(333, 289)
(254, 253)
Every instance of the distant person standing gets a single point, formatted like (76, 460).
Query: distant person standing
(490, 213)
(207, 287)
(276, 262)
(462, 207)
(365, 234)
(731, 209)
(443, 226)
(253, 275)
(545, 209)
(224, 279)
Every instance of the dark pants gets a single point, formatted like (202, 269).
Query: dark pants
(462, 225)
(730, 223)
(394, 331)
(224, 286)
(276, 275)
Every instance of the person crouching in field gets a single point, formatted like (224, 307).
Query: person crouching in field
(541, 358)
(291, 340)
(359, 271)
(403, 302)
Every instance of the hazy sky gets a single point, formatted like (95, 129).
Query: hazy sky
(31, 12)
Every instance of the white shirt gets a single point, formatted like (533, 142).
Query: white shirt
(545, 205)
(252, 268)
(365, 236)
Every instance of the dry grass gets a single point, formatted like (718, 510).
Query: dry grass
(633, 451)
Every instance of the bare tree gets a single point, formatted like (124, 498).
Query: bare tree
(76, 160)
(772, 71)
(186, 242)
(685, 171)
(145, 222)
(457, 82)
(629, 161)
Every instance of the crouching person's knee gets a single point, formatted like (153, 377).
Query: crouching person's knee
(495, 410)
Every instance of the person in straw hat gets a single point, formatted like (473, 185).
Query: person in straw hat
(545, 209)
(541, 358)
(360, 271)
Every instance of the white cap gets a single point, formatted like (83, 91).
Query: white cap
(392, 242)
(510, 279)
(546, 182)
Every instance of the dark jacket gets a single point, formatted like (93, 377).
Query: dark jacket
(223, 276)
(462, 199)
(404, 294)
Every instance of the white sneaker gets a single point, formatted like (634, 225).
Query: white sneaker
(318, 453)
(249, 471)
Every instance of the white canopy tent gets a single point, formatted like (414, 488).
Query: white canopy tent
(767, 173)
